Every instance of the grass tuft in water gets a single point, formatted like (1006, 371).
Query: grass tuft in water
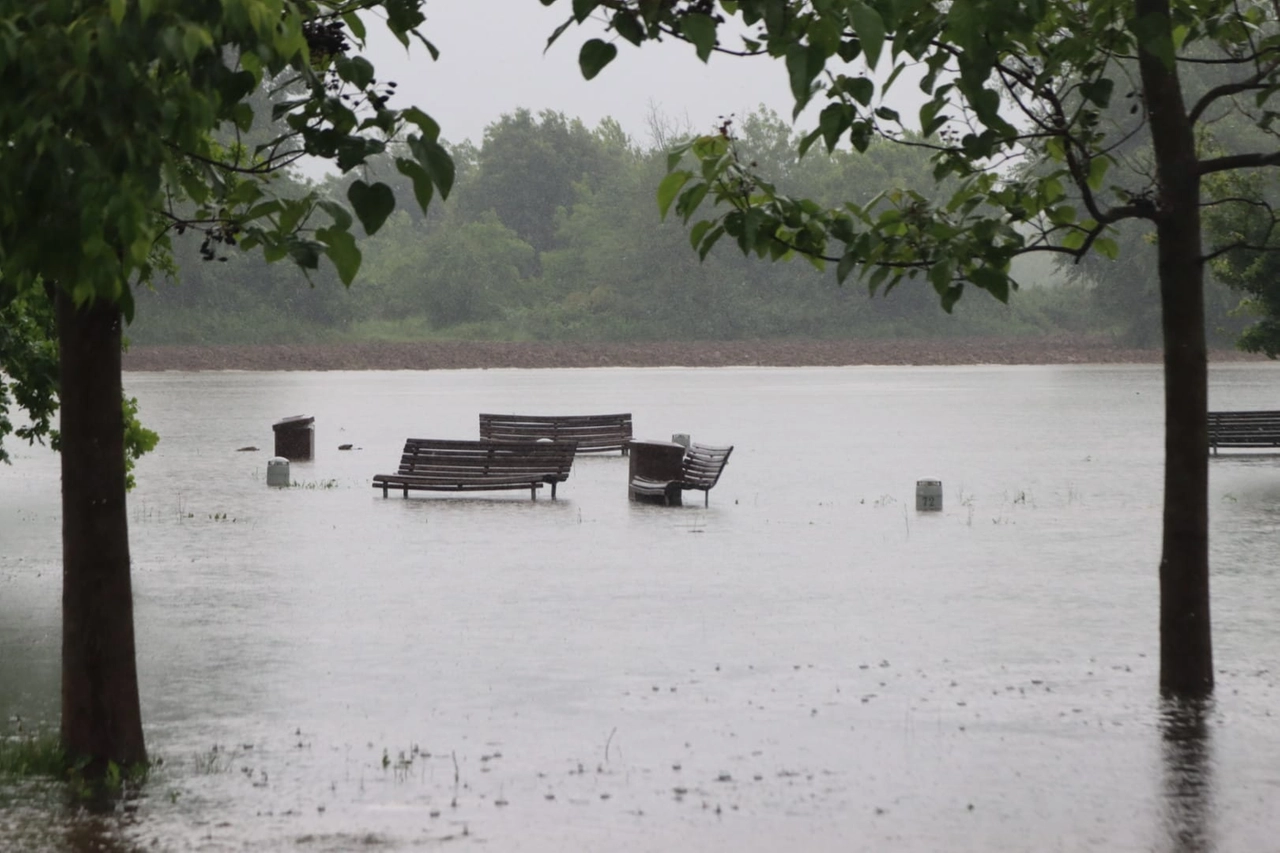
(33, 755)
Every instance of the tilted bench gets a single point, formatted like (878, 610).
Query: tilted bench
(592, 433)
(700, 470)
(437, 465)
(1247, 430)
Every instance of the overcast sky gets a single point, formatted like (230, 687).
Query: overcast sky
(492, 62)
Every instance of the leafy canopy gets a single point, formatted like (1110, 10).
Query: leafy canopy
(1006, 85)
(109, 118)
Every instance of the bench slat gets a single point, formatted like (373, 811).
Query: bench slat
(447, 465)
(592, 433)
(1244, 429)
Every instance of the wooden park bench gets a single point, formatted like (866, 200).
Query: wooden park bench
(700, 469)
(592, 433)
(1247, 430)
(472, 466)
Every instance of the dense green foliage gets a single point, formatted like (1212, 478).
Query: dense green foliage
(597, 264)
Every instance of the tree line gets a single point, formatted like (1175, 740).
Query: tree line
(552, 233)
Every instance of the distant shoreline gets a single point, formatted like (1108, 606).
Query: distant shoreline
(461, 355)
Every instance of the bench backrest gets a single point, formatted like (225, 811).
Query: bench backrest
(543, 460)
(702, 465)
(592, 433)
(1248, 428)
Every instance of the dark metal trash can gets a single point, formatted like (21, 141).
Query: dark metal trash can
(296, 437)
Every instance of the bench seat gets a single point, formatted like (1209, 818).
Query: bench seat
(591, 433)
(1247, 430)
(700, 470)
(439, 465)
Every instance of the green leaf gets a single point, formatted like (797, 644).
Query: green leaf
(118, 8)
(940, 275)
(930, 121)
(698, 231)
(1074, 240)
(372, 204)
(582, 9)
(690, 199)
(1107, 247)
(675, 155)
(353, 22)
(356, 70)
(870, 29)
(861, 89)
(341, 248)
(429, 127)
(594, 56)
(628, 26)
(1098, 91)
(709, 242)
(993, 281)
(848, 261)
(436, 160)
(833, 122)
(669, 188)
(700, 30)
(1098, 172)
(305, 254)
(422, 187)
(799, 73)
(878, 276)
(338, 213)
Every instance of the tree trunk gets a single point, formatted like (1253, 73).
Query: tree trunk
(1186, 648)
(101, 716)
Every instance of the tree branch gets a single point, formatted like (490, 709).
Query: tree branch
(1239, 161)
(1251, 83)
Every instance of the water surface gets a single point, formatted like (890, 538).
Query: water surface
(806, 664)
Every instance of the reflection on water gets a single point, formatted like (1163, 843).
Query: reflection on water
(1187, 753)
(806, 664)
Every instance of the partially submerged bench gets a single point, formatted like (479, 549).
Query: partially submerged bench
(592, 433)
(1244, 430)
(700, 469)
(438, 465)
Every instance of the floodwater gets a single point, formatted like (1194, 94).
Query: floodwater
(808, 664)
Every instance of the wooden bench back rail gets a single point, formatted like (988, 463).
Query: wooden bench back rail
(459, 466)
(703, 465)
(592, 433)
(700, 470)
(1251, 429)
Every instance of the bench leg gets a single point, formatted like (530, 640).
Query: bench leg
(533, 491)
(553, 490)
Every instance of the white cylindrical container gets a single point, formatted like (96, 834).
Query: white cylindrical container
(277, 471)
(928, 495)
(680, 438)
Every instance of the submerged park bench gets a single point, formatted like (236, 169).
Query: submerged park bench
(699, 468)
(1244, 430)
(438, 465)
(591, 433)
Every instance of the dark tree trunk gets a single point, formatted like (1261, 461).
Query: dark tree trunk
(101, 717)
(1186, 648)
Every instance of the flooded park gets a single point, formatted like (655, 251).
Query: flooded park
(807, 663)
